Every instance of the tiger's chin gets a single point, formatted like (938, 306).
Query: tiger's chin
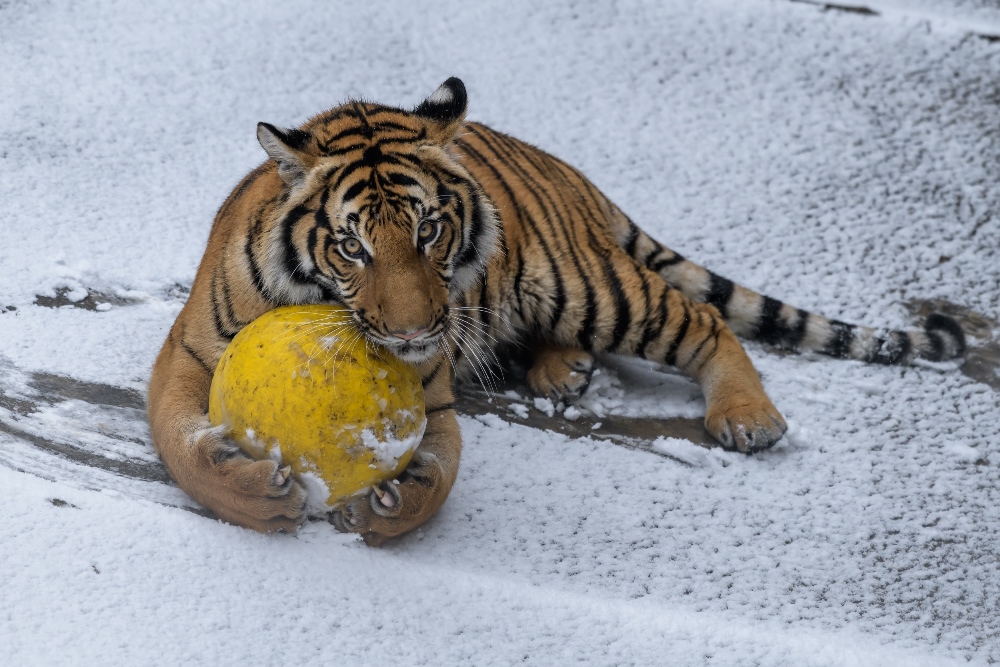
(414, 352)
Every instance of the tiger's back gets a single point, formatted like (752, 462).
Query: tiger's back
(562, 230)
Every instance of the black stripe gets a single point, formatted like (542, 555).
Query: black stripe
(936, 353)
(389, 126)
(518, 277)
(585, 336)
(716, 331)
(415, 134)
(713, 334)
(671, 357)
(720, 290)
(329, 150)
(426, 381)
(647, 303)
(311, 243)
(292, 263)
(445, 194)
(346, 172)
(220, 327)
(938, 327)
(451, 240)
(372, 156)
(525, 220)
(322, 219)
(255, 272)
(585, 211)
(460, 210)
(795, 335)
(354, 131)
(354, 191)
(468, 254)
(369, 131)
(769, 328)
(440, 408)
(295, 138)
(585, 206)
(623, 313)
(840, 345)
(653, 327)
(358, 111)
(656, 249)
(904, 345)
(401, 180)
(376, 110)
(414, 161)
(228, 310)
(633, 236)
(586, 333)
(661, 264)
(890, 350)
(187, 348)
(220, 330)
(484, 309)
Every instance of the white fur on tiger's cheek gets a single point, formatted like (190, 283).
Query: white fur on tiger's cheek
(486, 247)
(413, 353)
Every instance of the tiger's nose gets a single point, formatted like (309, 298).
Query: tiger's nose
(408, 335)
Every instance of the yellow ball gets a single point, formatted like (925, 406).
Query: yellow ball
(300, 384)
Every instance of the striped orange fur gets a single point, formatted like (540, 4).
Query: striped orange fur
(452, 244)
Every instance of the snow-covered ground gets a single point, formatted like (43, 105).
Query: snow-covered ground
(844, 162)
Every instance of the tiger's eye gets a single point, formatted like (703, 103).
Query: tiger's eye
(426, 230)
(351, 247)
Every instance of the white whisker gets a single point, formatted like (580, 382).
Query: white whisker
(484, 371)
(483, 348)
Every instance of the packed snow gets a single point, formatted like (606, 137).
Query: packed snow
(846, 163)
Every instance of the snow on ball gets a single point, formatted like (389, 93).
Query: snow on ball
(301, 385)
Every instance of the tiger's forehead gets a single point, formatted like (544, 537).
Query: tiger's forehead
(376, 171)
(359, 126)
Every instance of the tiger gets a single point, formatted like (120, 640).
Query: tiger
(452, 244)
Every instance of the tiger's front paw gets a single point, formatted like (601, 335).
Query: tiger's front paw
(561, 373)
(396, 507)
(239, 490)
(747, 423)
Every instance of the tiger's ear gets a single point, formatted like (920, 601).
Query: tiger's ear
(445, 109)
(289, 148)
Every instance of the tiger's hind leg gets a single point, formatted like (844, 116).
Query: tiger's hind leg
(560, 373)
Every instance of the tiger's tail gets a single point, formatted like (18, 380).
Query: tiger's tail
(762, 318)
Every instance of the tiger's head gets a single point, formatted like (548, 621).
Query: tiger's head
(377, 213)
